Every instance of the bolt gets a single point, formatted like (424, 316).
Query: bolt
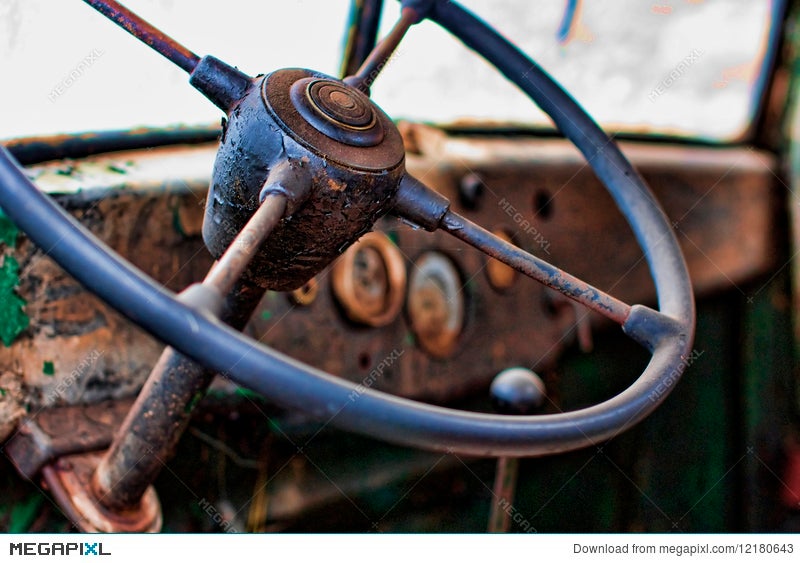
(306, 294)
(470, 190)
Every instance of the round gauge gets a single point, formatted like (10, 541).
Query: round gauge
(436, 304)
(501, 276)
(369, 280)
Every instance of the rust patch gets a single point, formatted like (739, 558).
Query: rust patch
(12, 400)
(336, 186)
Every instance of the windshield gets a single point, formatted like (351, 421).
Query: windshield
(73, 70)
(691, 68)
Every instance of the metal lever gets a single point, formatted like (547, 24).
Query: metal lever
(113, 492)
(514, 391)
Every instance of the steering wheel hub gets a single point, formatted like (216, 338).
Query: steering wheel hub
(334, 120)
(337, 110)
(328, 132)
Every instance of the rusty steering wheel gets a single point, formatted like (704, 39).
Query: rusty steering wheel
(311, 154)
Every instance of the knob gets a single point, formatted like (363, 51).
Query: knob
(518, 391)
(514, 391)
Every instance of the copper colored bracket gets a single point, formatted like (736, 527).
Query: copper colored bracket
(70, 483)
(61, 431)
(55, 443)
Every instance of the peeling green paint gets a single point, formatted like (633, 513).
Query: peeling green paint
(3, 392)
(48, 368)
(13, 319)
(66, 171)
(8, 231)
(196, 398)
(24, 513)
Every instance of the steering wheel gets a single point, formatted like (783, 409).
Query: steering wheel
(307, 164)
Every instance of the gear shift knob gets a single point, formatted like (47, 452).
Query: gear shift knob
(514, 391)
(518, 391)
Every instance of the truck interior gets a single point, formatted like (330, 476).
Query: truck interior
(400, 266)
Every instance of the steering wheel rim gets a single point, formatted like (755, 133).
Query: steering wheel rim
(293, 385)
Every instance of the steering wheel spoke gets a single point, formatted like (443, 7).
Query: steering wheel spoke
(536, 268)
(383, 52)
(646, 326)
(423, 207)
(146, 33)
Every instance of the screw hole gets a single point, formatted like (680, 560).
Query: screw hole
(470, 191)
(364, 360)
(543, 204)
(549, 306)
(305, 294)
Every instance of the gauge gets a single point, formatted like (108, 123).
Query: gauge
(369, 280)
(436, 303)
